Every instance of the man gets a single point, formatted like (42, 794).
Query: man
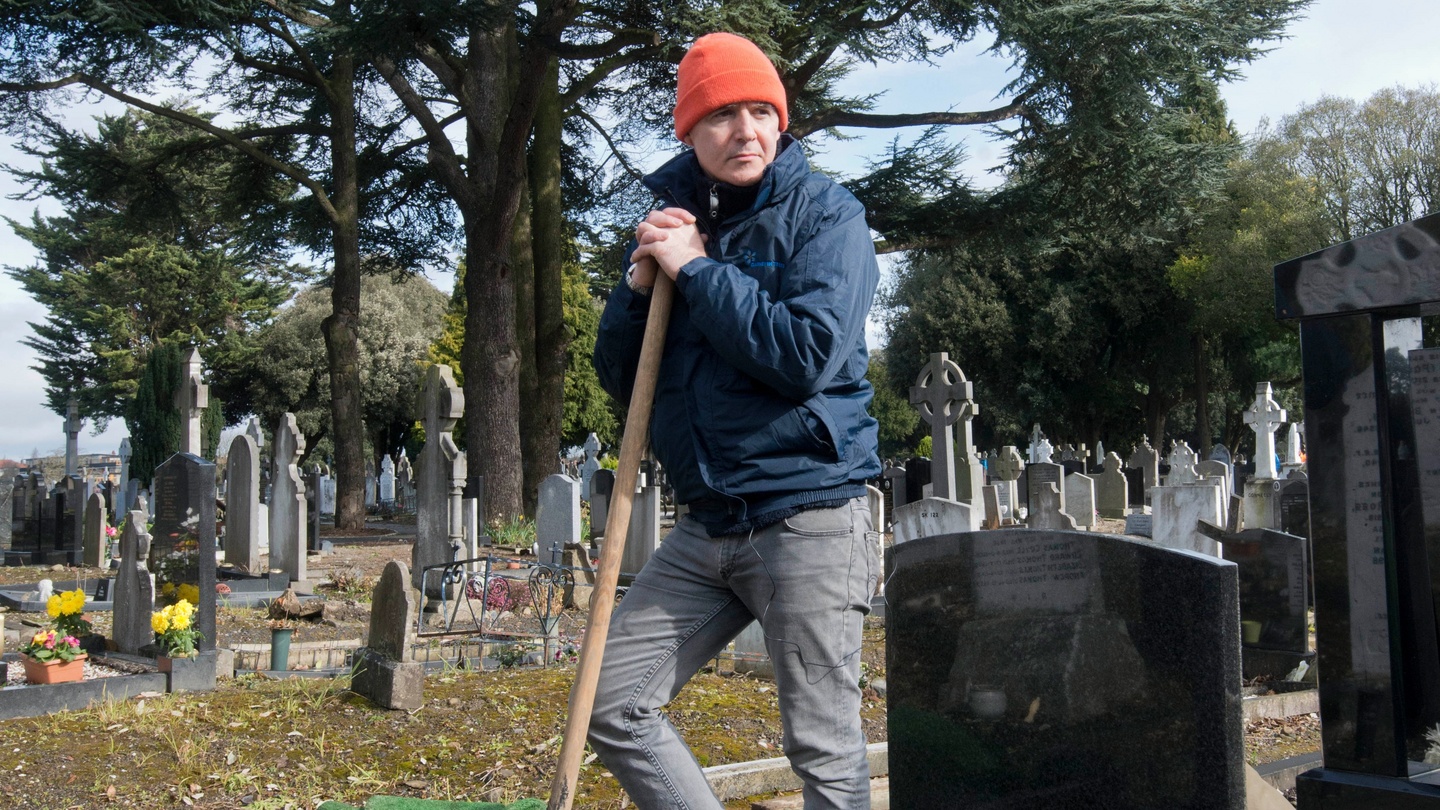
(760, 419)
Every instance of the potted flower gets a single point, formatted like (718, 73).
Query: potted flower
(175, 632)
(67, 613)
(52, 657)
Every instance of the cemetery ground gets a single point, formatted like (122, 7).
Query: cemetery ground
(489, 735)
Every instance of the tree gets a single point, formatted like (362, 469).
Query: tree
(399, 321)
(161, 240)
(154, 422)
(1375, 163)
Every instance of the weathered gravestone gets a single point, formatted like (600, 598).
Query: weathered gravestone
(440, 479)
(1374, 467)
(643, 538)
(1261, 493)
(134, 598)
(384, 670)
(288, 509)
(73, 424)
(1047, 509)
(1112, 496)
(242, 504)
(1295, 507)
(1146, 459)
(1040, 474)
(943, 397)
(1080, 499)
(1177, 512)
(387, 482)
(182, 548)
(1040, 669)
(589, 465)
(1182, 465)
(124, 497)
(892, 483)
(95, 543)
(557, 513)
(1008, 466)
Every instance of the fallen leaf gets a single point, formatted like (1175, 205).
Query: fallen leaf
(418, 784)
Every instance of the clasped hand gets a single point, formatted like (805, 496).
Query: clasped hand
(669, 237)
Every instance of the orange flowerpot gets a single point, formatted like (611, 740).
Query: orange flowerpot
(165, 662)
(54, 671)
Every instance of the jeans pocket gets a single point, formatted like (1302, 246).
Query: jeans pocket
(821, 522)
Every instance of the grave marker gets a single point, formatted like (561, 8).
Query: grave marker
(385, 672)
(1264, 416)
(134, 588)
(441, 473)
(242, 504)
(73, 424)
(191, 398)
(183, 535)
(1112, 490)
(288, 513)
(943, 397)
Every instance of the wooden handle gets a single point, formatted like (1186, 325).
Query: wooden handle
(602, 601)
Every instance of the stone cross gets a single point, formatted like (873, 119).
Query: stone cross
(590, 465)
(134, 594)
(1264, 417)
(1146, 459)
(73, 423)
(1042, 452)
(191, 398)
(254, 432)
(1182, 465)
(440, 473)
(1009, 464)
(943, 397)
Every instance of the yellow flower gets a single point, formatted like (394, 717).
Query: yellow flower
(168, 588)
(41, 637)
(52, 606)
(189, 593)
(159, 622)
(180, 621)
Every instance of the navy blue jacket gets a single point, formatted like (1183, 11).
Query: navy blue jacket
(761, 401)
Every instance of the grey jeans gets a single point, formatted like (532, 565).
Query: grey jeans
(808, 581)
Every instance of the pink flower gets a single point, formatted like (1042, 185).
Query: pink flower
(50, 642)
(72, 641)
(111, 531)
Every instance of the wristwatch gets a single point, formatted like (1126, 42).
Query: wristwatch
(635, 286)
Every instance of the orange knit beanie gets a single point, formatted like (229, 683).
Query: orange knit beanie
(722, 69)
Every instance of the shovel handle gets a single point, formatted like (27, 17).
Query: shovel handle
(602, 601)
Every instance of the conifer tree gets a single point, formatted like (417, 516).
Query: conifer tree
(151, 416)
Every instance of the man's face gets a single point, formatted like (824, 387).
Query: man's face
(735, 143)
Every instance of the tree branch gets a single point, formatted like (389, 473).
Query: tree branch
(588, 82)
(614, 150)
(273, 68)
(407, 146)
(305, 18)
(845, 118)
(442, 153)
(221, 134)
(618, 42)
(35, 87)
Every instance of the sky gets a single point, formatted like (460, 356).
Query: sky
(1348, 48)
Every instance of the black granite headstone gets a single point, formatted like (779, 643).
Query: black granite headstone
(1073, 467)
(182, 550)
(1295, 507)
(1273, 568)
(1044, 669)
(917, 477)
(602, 487)
(1135, 485)
(1375, 533)
(68, 498)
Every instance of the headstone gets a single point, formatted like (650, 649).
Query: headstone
(288, 513)
(183, 534)
(1041, 473)
(1009, 464)
(1294, 455)
(123, 488)
(876, 500)
(1036, 437)
(1047, 508)
(894, 485)
(255, 432)
(404, 484)
(1080, 499)
(557, 514)
(643, 538)
(1005, 652)
(751, 656)
(191, 398)
(993, 516)
(73, 423)
(95, 544)
(1140, 525)
(1112, 495)
(1146, 459)
(1371, 459)
(1273, 571)
(602, 487)
(1221, 453)
(134, 597)
(1295, 507)
(1182, 466)
(441, 468)
(1264, 416)
(384, 671)
(387, 481)
(1043, 452)
(929, 517)
(917, 479)
(590, 465)
(242, 504)
(1261, 503)
(68, 525)
(943, 397)
(8, 507)
(1178, 511)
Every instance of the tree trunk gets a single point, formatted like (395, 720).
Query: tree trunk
(1202, 398)
(522, 259)
(544, 421)
(341, 328)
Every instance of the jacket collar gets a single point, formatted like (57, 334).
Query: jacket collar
(680, 179)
